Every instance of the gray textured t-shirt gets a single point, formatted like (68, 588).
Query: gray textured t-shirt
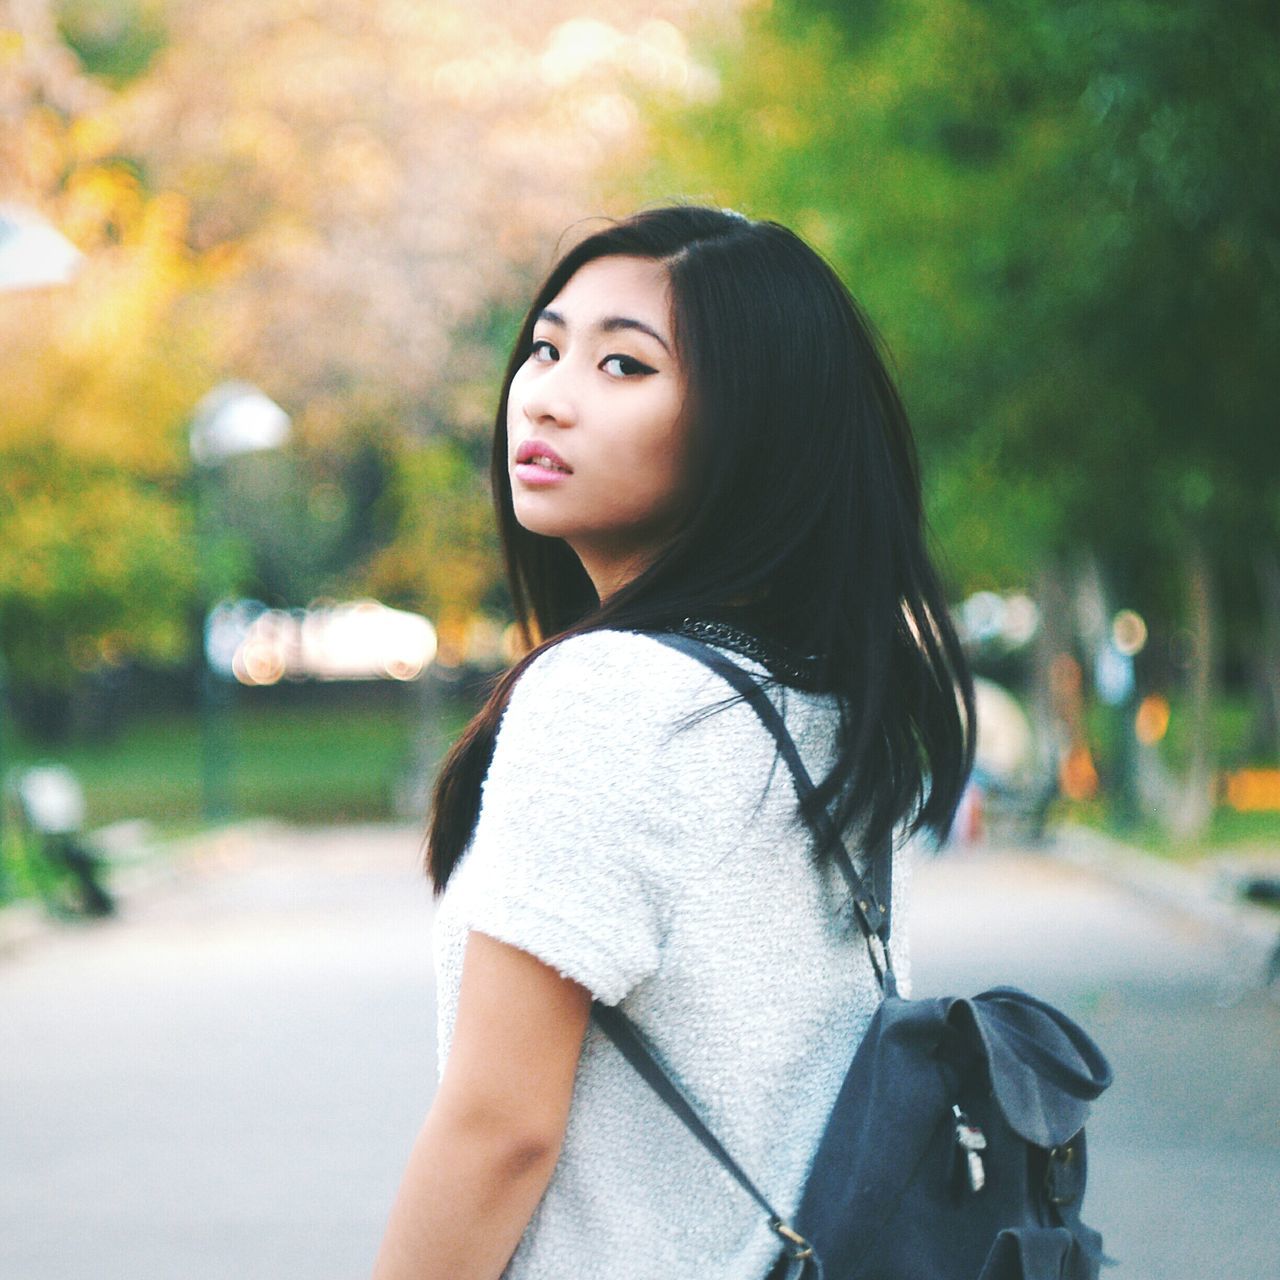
(662, 867)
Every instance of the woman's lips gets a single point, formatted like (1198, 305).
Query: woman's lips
(537, 463)
(532, 474)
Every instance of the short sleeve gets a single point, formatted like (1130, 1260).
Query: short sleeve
(574, 857)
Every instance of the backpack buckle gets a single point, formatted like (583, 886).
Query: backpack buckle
(1062, 1175)
(799, 1247)
(872, 912)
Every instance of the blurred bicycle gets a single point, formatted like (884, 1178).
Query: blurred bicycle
(61, 865)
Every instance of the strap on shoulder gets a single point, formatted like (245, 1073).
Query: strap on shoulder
(622, 1031)
(870, 912)
(872, 918)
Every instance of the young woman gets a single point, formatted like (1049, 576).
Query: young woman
(696, 433)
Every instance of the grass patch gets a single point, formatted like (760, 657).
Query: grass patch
(1230, 833)
(1233, 731)
(295, 763)
(336, 759)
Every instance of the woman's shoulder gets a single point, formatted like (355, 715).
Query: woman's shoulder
(604, 649)
(625, 704)
(628, 672)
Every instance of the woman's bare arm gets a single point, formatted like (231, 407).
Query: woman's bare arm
(493, 1134)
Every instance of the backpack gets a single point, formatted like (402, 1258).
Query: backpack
(955, 1149)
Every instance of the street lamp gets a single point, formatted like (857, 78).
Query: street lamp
(234, 419)
(33, 255)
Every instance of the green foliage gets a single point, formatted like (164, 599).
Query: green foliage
(96, 538)
(442, 559)
(98, 566)
(291, 523)
(1064, 218)
(116, 40)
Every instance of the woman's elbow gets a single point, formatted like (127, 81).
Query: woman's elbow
(515, 1145)
(527, 1155)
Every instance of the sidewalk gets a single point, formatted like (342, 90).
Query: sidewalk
(228, 1081)
(140, 866)
(1207, 891)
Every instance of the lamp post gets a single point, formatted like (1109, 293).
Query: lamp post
(234, 419)
(33, 255)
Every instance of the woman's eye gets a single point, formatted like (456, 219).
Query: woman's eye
(624, 366)
(543, 352)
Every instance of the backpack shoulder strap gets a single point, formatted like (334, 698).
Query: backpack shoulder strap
(872, 918)
(870, 912)
(629, 1042)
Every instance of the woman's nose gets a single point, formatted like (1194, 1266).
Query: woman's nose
(548, 399)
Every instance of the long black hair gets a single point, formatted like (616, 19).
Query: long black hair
(808, 504)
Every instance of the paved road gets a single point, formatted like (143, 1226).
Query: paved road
(1184, 1178)
(226, 1084)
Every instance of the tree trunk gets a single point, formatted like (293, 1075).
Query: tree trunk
(1267, 566)
(1192, 813)
(1112, 676)
(1053, 638)
(1053, 735)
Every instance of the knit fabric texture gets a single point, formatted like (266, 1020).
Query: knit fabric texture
(654, 855)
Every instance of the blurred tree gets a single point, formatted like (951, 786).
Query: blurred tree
(339, 200)
(95, 554)
(1066, 218)
(446, 558)
(115, 40)
(303, 516)
(386, 181)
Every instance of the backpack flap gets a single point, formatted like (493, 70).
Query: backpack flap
(1043, 1068)
(1032, 1254)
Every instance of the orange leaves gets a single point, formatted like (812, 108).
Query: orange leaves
(97, 368)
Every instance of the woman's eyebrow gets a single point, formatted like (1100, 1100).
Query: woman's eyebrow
(610, 324)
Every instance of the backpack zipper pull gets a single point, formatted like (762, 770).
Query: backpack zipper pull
(971, 1141)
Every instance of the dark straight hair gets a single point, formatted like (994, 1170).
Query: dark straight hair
(807, 503)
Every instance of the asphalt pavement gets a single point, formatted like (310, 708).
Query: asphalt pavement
(226, 1080)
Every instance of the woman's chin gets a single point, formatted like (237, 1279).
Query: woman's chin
(541, 523)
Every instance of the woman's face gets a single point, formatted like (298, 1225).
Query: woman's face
(595, 442)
